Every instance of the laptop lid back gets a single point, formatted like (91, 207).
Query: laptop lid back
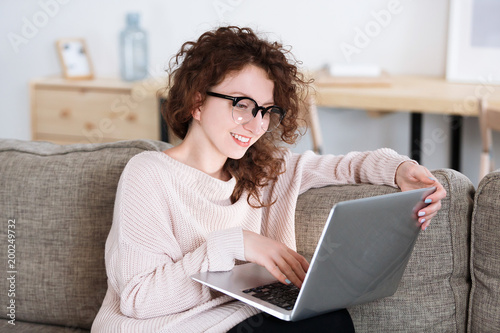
(363, 251)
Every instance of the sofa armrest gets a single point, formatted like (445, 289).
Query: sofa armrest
(484, 304)
(432, 295)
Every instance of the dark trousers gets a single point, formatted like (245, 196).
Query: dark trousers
(338, 321)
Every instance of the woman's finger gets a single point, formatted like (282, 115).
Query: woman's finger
(276, 272)
(292, 269)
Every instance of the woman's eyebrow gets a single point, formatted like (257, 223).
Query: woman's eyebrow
(246, 95)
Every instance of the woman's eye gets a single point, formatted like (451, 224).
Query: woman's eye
(242, 105)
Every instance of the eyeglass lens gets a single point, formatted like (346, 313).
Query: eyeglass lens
(242, 114)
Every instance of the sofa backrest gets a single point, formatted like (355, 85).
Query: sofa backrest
(58, 203)
(484, 304)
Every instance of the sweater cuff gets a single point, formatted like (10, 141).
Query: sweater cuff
(223, 247)
(392, 168)
(388, 163)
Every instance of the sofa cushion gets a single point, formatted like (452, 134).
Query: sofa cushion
(433, 293)
(60, 199)
(484, 306)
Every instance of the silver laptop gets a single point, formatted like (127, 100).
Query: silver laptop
(360, 257)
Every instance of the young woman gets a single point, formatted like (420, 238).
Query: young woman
(228, 192)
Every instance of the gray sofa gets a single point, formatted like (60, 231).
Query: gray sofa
(59, 202)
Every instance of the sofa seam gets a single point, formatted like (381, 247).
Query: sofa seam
(453, 256)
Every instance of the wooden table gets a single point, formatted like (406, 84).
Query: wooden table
(415, 94)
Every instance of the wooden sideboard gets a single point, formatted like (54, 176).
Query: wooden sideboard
(92, 111)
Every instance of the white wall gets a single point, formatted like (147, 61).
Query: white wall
(412, 41)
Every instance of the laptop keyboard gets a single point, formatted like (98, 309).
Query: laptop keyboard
(279, 294)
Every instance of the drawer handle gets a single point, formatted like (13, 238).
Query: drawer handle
(89, 126)
(65, 113)
(132, 117)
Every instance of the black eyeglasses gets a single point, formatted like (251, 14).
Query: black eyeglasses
(245, 109)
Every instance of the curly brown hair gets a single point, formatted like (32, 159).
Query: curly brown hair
(205, 63)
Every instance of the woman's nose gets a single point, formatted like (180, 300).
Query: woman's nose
(255, 125)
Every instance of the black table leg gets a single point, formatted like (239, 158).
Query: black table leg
(416, 136)
(456, 141)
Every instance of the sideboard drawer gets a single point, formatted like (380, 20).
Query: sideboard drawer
(92, 115)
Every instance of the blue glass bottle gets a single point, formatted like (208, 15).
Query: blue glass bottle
(133, 50)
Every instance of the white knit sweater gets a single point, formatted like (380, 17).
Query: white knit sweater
(171, 221)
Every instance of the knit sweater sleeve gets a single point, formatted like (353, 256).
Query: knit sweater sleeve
(305, 171)
(146, 265)
(374, 167)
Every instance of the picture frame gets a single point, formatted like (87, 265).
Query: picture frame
(75, 59)
(473, 42)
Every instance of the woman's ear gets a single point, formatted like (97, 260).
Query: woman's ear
(196, 113)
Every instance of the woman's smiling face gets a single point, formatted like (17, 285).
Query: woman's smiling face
(215, 126)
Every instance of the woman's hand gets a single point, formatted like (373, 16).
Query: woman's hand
(283, 263)
(411, 176)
